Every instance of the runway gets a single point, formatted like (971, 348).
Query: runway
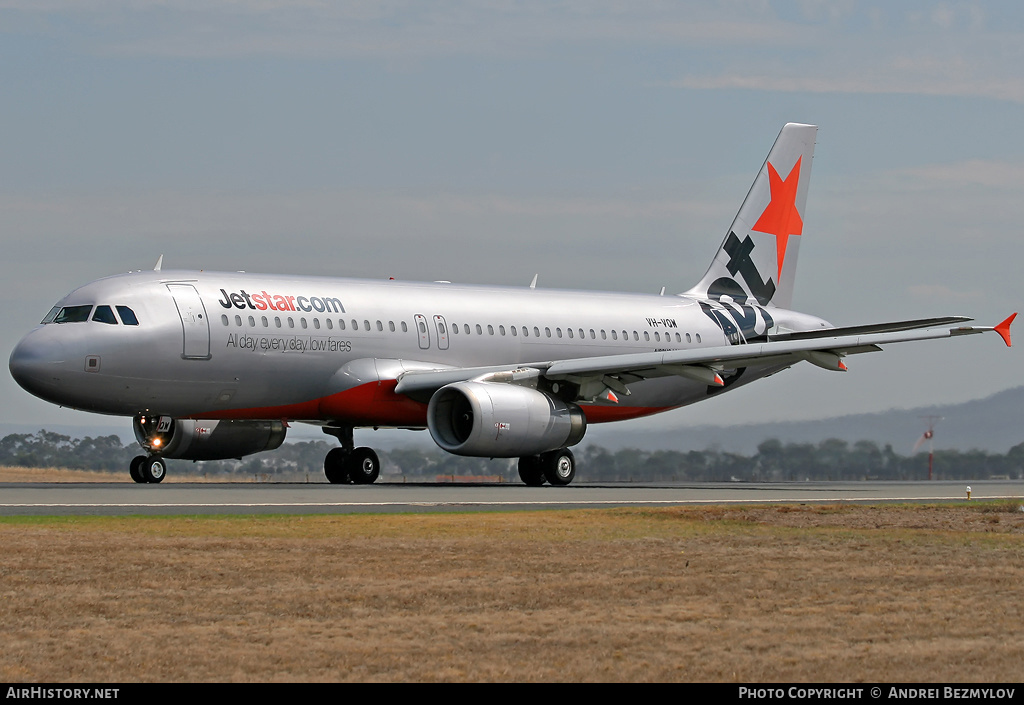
(111, 499)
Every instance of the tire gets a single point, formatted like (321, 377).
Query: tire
(363, 466)
(336, 467)
(153, 469)
(530, 471)
(135, 469)
(559, 467)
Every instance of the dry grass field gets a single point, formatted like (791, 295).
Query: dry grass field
(19, 474)
(780, 593)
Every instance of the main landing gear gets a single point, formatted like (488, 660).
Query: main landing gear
(151, 469)
(558, 467)
(348, 464)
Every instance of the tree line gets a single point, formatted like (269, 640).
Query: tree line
(775, 461)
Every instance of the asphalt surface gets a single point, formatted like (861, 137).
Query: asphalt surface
(69, 499)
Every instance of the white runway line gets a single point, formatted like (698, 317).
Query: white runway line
(611, 502)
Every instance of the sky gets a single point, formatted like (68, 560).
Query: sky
(600, 145)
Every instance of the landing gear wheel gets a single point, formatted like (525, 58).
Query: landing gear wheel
(336, 467)
(135, 469)
(153, 469)
(559, 467)
(530, 471)
(363, 466)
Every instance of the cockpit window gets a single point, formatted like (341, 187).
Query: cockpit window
(51, 315)
(73, 314)
(104, 315)
(127, 316)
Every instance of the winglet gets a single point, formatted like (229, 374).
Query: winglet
(159, 263)
(1003, 329)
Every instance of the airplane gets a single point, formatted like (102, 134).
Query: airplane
(217, 365)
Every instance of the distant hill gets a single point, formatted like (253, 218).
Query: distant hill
(994, 424)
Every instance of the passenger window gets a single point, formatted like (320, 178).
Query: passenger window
(465, 328)
(569, 331)
(316, 323)
(341, 324)
(252, 322)
(291, 322)
(263, 320)
(490, 329)
(238, 320)
(277, 321)
(330, 324)
(514, 331)
(391, 326)
(405, 327)
(104, 315)
(302, 322)
(73, 314)
(479, 330)
(501, 329)
(224, 320)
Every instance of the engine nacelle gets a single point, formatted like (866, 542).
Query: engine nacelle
(189, 439)
(491, 420)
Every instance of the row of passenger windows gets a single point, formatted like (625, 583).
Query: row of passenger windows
(289, 322)
(102, 314)
(576, 333)
(572, 333)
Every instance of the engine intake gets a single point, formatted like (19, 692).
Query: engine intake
(490, 420)
(190, 439)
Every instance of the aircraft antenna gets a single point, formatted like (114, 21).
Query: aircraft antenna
(159, 263)
(533, 284)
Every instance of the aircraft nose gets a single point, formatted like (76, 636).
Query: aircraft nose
(37, 363)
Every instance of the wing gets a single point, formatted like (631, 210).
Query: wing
(824, 348)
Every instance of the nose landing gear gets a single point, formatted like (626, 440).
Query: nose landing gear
(148, 469)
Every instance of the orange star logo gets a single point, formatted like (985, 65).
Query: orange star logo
(781, 218)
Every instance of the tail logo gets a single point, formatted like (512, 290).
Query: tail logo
(781, 218)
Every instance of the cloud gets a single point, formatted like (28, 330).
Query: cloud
(975, 172)
(1007, 88)
(810, 47)
(942, 293)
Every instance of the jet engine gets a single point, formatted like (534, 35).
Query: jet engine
(494, 420)
(189, 439)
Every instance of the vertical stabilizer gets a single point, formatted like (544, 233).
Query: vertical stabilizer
(757, 259)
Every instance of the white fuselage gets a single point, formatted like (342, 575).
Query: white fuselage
(237, 345)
